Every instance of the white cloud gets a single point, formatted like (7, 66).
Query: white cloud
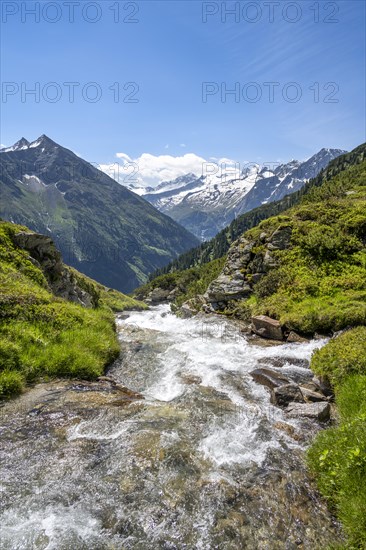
(183, 145)
(150, 170)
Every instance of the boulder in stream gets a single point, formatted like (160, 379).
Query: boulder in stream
(269, 378)
(282, 396)
(267, 327)
(317, 411)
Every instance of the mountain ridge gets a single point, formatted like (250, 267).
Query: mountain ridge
(206, 204)
(102, 228)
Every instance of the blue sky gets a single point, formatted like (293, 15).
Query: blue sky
(168, 53)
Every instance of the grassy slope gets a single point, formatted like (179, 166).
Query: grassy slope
(44, 336)
(338, 455)
(320, 284)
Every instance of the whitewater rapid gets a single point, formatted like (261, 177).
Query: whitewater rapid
(201, 462)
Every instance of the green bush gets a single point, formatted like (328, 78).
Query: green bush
(11, 383)
(342, 357)
(9, 356)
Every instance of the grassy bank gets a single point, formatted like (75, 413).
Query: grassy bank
(43, 336)
(338, 455)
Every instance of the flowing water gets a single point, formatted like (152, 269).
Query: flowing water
(203, 462)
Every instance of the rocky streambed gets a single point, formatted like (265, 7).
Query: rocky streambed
(193, 455)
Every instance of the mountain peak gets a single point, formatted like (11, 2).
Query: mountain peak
(42, 140)
(25, 144)
(21, 144)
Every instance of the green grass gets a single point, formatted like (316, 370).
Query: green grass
(319, 284)
(342, 357)
(43, 336)
(338, 459)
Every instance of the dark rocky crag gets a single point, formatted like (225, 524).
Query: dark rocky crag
(44, 255)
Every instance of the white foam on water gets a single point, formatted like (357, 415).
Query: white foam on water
(97, 430)
(52, 526)
(210, 348)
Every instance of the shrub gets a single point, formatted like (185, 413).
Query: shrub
(11, 383)
(342, 357)
(9, 355)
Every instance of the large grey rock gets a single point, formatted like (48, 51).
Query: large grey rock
(158, 295)
(313, 396)
(226, 288)
(42, 249)
(269, 378)
(282, 396)
(62, 281)
(317, 411)
(280, 239)
(266, 327)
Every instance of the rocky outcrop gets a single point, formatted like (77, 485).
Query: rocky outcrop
(247, 262)
(43, 252)
(266, 327)
(44, 255)
(158, 295)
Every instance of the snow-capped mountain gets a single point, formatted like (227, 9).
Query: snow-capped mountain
(206, 204)
(101, 228)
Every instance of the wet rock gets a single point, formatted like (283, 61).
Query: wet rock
(297, 374)
(313, 396)
(131, 394)
(269, 378)
(191, 378)
(106, 379)
(290, 430)
(266, 327)
(282, 396)
(324, 385)
(158, 295)
(317, 411)
(191, 307)
(284, 360)
(293, 337)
